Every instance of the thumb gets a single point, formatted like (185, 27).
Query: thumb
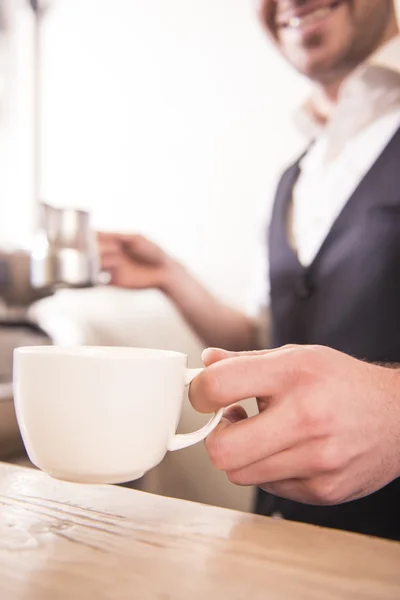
(213, 355)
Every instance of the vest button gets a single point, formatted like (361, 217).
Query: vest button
(303, 287)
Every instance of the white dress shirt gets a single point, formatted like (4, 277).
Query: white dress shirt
(367, 115)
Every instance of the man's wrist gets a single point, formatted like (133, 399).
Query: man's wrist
(171, 275)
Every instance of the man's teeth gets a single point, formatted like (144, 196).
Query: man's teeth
(310, 19)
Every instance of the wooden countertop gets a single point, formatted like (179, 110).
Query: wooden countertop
(61, 541)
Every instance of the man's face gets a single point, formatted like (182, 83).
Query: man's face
(326, 39)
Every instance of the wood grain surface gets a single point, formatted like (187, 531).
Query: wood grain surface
(62, 541)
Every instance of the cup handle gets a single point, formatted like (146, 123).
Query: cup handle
(180, 441)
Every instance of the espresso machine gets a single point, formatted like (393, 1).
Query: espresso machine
(63, 254)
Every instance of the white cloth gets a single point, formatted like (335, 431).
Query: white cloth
(366, 117)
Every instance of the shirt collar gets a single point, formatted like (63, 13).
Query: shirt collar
(386, 58)
(388, 55)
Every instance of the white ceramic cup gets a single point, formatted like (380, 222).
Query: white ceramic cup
(98, 414)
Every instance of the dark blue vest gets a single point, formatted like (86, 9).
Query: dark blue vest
(348, 299)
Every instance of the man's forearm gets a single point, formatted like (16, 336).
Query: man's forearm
(215, 323)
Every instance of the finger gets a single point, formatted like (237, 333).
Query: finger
(248, 441)
(110, 260)
(113, 235)
(210, 356)
(143, 249)
(291, 489)
(300, 462)
(116, 280)
(107, 237)
(213, 355)
(109, 246)
(235, 379)
(235, 413)
(103, 235)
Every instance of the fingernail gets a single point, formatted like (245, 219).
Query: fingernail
(207, 350)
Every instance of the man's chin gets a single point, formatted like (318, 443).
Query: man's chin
(315, 66)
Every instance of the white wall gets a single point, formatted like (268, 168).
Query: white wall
(165, 116)
(16, 142)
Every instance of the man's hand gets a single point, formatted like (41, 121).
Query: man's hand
(133, 261)
(328, 428)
